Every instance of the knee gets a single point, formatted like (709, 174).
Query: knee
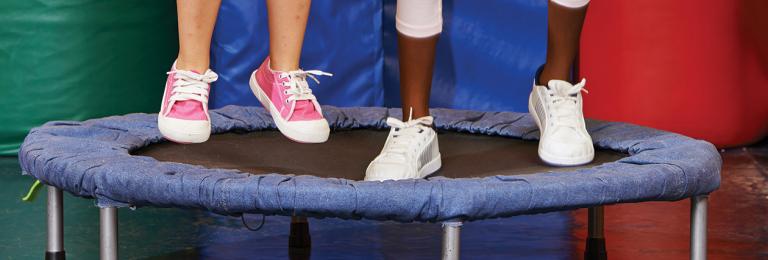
(419, 18)
(571, 3)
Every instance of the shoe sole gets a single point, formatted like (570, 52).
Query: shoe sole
(548, 158)
(281, 123)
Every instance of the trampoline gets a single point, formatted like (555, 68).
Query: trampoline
(490, 170)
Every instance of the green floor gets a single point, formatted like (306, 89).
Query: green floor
(23, 223)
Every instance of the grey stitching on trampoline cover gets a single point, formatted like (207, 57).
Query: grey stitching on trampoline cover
(92, 159)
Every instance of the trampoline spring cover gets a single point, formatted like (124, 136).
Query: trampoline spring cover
(92, 159)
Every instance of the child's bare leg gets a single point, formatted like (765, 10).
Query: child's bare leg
(417, 59)
(196, 21)
(419, 23)
(287, 24)
(563, 37)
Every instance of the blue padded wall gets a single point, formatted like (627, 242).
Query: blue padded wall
(486, 58)
(486, 55)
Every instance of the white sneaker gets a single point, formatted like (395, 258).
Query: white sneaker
(411, 152)
(557, 110)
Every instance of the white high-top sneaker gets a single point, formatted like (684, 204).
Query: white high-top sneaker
(411, 152)
(557, 110)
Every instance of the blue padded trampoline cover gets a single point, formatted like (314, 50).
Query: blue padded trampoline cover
(93, 159)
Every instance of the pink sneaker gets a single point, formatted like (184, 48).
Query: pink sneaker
(183, 116)
(287, 97)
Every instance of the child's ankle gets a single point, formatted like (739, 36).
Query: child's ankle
(199, 67)
(276, 66)
(548, 74)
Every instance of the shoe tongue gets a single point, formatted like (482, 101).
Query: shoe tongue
(560, 87)
(304, 106)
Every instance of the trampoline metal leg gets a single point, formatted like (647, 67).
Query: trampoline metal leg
(55, 218)
(451, 240)
(299, 236)
(108, 233)
(299, 240)
(699, 227)
(595, 248)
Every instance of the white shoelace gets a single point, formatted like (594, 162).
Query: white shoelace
(406, 138)
(297, 87)
(565, 105)
(191, 86)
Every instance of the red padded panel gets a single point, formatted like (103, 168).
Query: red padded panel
(699, 68)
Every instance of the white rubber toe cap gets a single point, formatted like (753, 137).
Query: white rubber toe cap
(379, 171)
(311, 131)
(184, 131)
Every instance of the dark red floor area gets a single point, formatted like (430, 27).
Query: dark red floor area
(738, 217)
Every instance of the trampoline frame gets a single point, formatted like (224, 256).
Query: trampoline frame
(674, 166)
(595, 249)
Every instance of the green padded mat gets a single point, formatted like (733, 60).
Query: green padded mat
(74, 60)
